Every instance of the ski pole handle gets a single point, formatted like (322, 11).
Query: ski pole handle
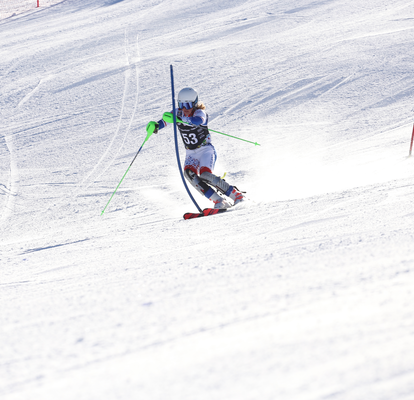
(169, 118)
(151, 127)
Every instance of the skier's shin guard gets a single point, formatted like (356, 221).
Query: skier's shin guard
(216, 182)
(199, 184)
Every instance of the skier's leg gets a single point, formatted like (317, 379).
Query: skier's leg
(215, 181)
(205, 189)
(222, 186)
(197, 183)
(207, 161)
(195, 161)
(207, 158)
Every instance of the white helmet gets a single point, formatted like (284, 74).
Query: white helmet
(187, 98)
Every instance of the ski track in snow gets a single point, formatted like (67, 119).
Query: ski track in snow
(109, 156)
(114, 136)
(11, 189)
(303, 292)
(135, 62)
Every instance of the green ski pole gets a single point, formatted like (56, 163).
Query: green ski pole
(168, 117)
(150, 130)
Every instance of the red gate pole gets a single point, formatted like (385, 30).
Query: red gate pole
(38, 3)
(411, 146)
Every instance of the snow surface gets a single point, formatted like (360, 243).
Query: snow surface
(10, 8)
(305, 292)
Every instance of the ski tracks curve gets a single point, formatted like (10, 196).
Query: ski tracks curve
(132, 58)
(107, 158)
(12, 187)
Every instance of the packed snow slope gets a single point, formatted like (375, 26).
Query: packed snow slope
(10, 8)
(304, 292)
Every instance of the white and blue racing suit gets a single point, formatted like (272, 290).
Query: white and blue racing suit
(200, 153)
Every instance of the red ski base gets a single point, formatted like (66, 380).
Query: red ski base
(206, 212)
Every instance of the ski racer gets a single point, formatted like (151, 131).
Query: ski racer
(200, 153)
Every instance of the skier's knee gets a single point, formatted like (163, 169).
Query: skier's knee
(189, 174)
(198, 183)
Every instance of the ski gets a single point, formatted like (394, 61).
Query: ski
(205, 213)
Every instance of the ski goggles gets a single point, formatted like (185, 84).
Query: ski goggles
(188, 105)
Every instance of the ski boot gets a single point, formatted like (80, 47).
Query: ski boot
(237, 196)
(218, 201)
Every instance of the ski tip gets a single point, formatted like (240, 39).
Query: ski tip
(192, 215)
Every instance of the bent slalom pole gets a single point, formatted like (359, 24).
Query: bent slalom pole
(173, 120)
(150, 130)
(168, 117)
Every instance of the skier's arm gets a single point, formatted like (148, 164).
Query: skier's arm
(157, 125)
(162, 124)
(198, 118)
(192, 120)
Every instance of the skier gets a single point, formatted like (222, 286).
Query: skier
(200, 153)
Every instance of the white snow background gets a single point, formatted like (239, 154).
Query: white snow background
(10, 8)
(304, 292)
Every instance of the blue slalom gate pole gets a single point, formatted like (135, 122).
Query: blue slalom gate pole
(176, 141)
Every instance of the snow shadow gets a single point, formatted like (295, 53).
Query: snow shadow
(111, 3)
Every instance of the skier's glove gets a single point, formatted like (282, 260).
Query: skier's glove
(168, 117)
(152, 127)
